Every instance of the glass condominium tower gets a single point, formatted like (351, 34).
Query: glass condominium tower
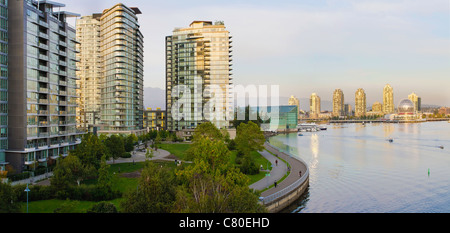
(198, 76)
(113, 90)
(41, 84)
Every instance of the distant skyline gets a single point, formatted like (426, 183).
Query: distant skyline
(313, 45)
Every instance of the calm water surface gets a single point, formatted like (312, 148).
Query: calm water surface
(354, 169)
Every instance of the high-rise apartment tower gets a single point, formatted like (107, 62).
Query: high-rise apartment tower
(388, 99)
(111, 70)
(198, 76)
(42, 84)
(338, 103)
(360, 103)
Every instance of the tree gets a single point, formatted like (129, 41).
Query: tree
(249, 137)
(70, 171)
(214, 152)
(104, 177)
(90, 150)
(129, 142)
(208, 130)
(155, 193)
(8, 199)
(212, 184)
(115, 146)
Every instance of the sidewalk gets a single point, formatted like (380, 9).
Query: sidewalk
(296, 167)
(277, 172)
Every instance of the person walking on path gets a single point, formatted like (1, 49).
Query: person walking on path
(276, 162)
(300, 173)
(275, 183)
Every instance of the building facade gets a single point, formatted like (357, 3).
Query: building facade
(377, 107)
(154, 119)
(111, 61)
(338, 103)
(3, 83)
(90, 71)
(417, 101)
(314, 106)
(42, 84)
(360, 103)
(295, 102)
(388, 99)
(198, 76)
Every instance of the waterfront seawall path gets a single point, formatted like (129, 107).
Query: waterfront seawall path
(295, 165)
(277, 172)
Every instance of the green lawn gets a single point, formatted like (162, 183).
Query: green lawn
(177, 149)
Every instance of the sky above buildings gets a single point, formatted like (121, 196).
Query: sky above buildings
(307, 46)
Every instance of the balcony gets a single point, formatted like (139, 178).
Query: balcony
(43, 123)
(43, 90)
(43, 35)
(43, 112)
(43, 68)
(43, 134)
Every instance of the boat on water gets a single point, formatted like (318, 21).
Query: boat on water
(442, 147)
(300, 134)
(323, 128)
(391, 140)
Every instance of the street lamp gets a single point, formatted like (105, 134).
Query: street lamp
(27, 190)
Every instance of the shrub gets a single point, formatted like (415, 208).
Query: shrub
(103, 207)
(126, 155)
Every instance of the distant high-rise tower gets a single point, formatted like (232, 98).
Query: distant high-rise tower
(198, 76)
(388, 99)
(417, 102)
(338, 103)
(360, 103)
(294, 101)
(377, 107)
(314, 105)
(111, 70)
(90, 71)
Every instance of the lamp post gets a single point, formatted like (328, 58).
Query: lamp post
(27, 190)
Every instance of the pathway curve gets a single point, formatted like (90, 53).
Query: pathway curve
(277, 172)
(296, 168)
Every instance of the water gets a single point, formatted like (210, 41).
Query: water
(355, 169)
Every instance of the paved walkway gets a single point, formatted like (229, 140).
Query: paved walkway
(295, 165)
(277, 172)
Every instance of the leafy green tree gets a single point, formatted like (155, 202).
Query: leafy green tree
(90, 150)
(155, 194)
(70, 171)
(104, 177)
(8, 199)
(249, 137)
(208, 130)
(129, 142)
(212, 184)
(115, 146)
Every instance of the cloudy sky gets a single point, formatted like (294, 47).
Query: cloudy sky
(308, 46)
